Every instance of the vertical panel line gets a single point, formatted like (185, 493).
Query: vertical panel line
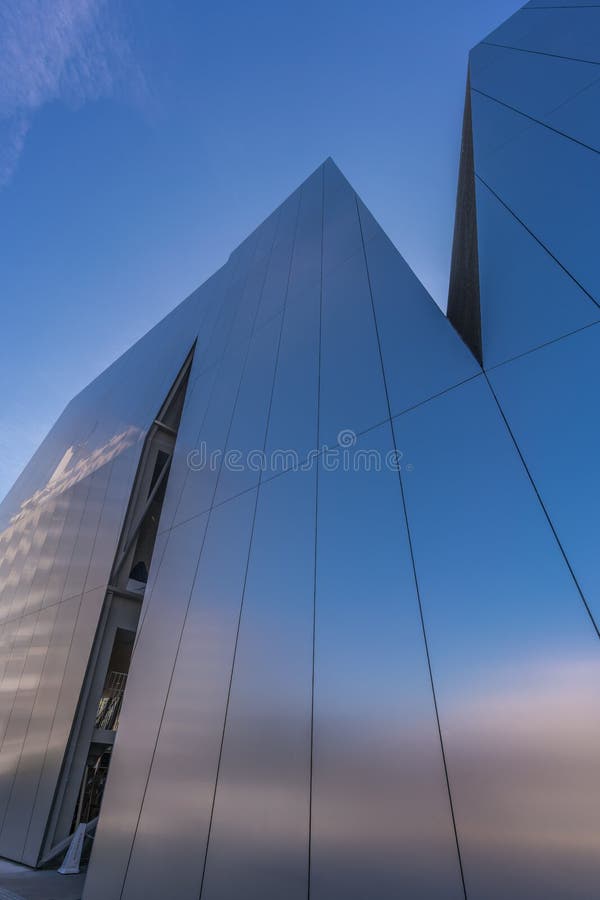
(239, 622)
(185, 617)
(43, 669)
(314, 628)
(218, 365)
(414, 569)
(50, 646)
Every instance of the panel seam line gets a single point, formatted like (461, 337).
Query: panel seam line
(314, 610)
(543, 506)
(539, 122)
(414, 568)
(536, 238)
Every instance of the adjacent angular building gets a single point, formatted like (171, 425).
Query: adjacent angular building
(327, 558)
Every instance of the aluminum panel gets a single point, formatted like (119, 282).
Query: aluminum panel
(243, 324)
(113, 512)
(76, 497)
(31, 813)
(77, 638)
(197, 401)
(27, 536)
(548, 398)
(352, 391)
(259, 836)
(21, 631)
(82, 553)
(201, 482)
(578, 117)
(292, 431)
(275, 286)
(530, 82)
(542, 4)
(513, 30)
(5, 646)
(246, 439)
(341, 227)
(306, 259)
(514, 656)
(175, 815)
(494, 126)
(143, 708)
(11, 803)
(209, 353)
(44, 560)
(381, 820)
(532, 300)
(422, 354)
(557, 201)
(62, 521)
(572, 32)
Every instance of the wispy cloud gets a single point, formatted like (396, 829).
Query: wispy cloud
(68, 50)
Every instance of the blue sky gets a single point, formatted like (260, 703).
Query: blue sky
(141, 141)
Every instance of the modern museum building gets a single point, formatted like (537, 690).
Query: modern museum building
(301, 596)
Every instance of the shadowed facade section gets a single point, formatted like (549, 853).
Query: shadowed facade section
(463, 293)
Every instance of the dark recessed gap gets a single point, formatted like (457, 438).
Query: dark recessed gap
(79, 793)
(464, 310)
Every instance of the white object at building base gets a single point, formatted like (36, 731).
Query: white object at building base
(72, 859)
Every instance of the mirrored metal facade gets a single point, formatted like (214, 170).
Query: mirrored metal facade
(361, 634)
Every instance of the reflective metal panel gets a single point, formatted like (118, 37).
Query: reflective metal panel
(526, 298)
(275, 285)
(210, 351)
(306, 259)
(494, 125)
(242, 464)
(173, 825)
(259, 836)
(422, 354)
(45, 559)
(381, 822)
(26, 541)
(530, 82)
(352, 391)
(549, 398)
(15, 812)
(77, 498)
(341, 227)
(280, 735)
(30, 801)
(143, 707)
(558, 201)
(578, 117)
(111, 518)
(79, 563)
(22, 633)
(197, 496)
(542, 4)
(572, 32)
(513, 30)
(292, 432)
(197, 400)
(243, 324)
(514, 656)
